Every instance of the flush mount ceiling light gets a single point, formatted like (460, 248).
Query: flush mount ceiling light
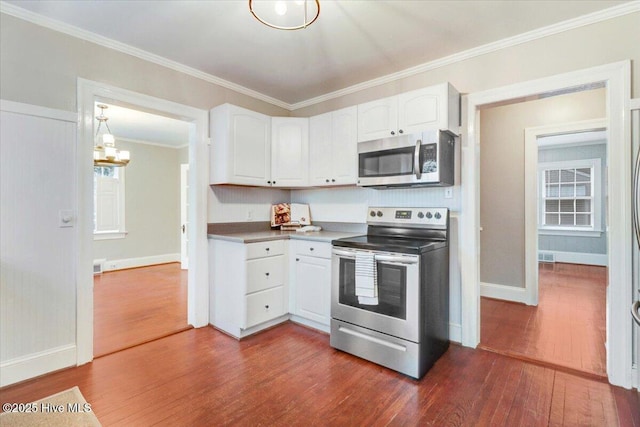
(285, 14)
(105, 152)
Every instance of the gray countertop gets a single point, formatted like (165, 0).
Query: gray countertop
(267, 235)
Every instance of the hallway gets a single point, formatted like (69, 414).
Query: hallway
(567, 328)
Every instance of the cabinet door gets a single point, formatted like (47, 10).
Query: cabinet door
(289, 151)
(344, 146)
(422, 109)
(320, 150)
(378, 119)
(241, 146)
(313, 289)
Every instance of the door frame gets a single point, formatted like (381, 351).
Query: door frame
(634, 105)
(617, 78)
(184, 215)
(531, 201)
(198, 288)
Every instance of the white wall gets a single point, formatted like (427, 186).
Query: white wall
(37, 274)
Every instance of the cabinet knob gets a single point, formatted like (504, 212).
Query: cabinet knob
(311, 249)
(400, 131)
(333, 180)
(268, 182)
(266, 274)
(297, 259)
(393, 133)
(327, 180)
(267, 306)
(274, 183)
(266, 249)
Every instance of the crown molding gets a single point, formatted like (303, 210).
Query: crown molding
(73, 31)
(581, 21)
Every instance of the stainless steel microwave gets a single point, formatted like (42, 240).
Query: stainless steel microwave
(415, 160)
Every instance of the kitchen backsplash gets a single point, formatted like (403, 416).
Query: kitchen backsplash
(337, 204)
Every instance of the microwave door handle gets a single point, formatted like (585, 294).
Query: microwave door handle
(416, 160)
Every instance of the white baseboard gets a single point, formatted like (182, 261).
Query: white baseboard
(503, 292)
(579, 258)
(455, 332)
(33, 365)
(120, 264)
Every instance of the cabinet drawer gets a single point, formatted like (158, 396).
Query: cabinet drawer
(265, 273)
(264, 305)
(313, 248)
(265, 249)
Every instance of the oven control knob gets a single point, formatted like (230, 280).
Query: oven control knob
(437, 215)
(420, 215)
(373, 213)
(429, 215)
(379, 213)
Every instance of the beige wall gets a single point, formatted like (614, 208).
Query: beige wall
(592, 45)
(502, 159)
(152, 205)
(40, 66)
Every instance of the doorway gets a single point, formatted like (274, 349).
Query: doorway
(616, 77)
(140, 294)
(197, 299)
(561, 318)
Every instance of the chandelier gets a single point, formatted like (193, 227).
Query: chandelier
(105, 152)
(285, 14)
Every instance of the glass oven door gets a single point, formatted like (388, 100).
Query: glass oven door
(396, 310)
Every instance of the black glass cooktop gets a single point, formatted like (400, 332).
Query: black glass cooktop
(390, 244)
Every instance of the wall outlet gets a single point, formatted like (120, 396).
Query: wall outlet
(448, 193)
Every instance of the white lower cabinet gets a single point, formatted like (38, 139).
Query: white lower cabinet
(311, 283)
(249, 286)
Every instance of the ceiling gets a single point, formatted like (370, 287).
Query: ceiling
(139, 126)
(352, 42)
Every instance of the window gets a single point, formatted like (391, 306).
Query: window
(108, 203)
(570, 196)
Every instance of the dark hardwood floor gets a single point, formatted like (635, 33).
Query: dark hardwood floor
(567, 328)
(289, 375)
(138, 305)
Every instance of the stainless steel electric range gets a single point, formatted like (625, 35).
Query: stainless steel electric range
(390, 289)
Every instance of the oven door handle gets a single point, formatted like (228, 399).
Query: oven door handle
(396, 259)
(344, 254)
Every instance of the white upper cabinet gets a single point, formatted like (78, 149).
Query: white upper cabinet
(333, 148)
(240, 146)
(289, 152)
(434, 107)
(378, 119)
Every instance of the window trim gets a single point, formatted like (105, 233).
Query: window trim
(596, 229)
